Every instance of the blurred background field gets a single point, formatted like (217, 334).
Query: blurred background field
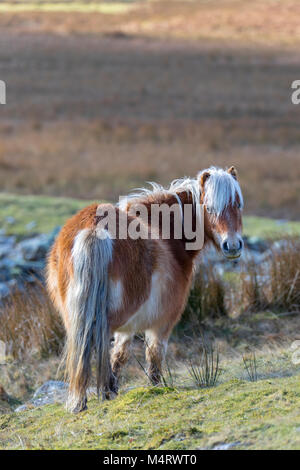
(98, 103)
(103, 96)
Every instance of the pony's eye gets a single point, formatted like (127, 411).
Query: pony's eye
(239, 205)
(209, 209)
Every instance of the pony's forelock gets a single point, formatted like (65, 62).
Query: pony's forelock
(221, 190)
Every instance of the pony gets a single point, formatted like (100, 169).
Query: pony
(108, 286)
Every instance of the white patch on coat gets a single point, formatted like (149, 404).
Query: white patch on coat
(115, 295)
(151, 308)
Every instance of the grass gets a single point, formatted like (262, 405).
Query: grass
(259, 415)
(250, 364)
(278, 289)
(206, 373)
(49, 212)
(32, 325)
(46, 212)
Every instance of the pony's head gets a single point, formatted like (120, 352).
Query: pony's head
(223, 202)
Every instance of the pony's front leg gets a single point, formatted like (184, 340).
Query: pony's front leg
(156, 348)
(120, 355)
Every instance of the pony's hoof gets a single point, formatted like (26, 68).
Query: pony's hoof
(78, 408)
(111, 394)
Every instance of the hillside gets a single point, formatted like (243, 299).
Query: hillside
(236, 414)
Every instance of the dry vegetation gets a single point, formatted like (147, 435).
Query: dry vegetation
(97, 104)
(273, 285)
(31, 327)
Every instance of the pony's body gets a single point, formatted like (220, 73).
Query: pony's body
(104, 287)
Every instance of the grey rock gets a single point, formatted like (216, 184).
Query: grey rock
(53, 391)
(50, 392)
(10, 220)
(226, 446)
(4, 274)
(34, 249)
(6, 245)
(22, 408)
(4, 290)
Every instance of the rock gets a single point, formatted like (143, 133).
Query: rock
(25, 407)
(226, 446)
(4, 290)
(256, 243)
(53, 391)
(50, 392)
(23, 262)
(4, 274)
(10, 220)
(6, 245)
(33, 249)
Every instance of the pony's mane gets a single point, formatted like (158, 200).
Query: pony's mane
(221, 189)
(156, 191)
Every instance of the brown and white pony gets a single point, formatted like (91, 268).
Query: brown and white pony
(104, 287)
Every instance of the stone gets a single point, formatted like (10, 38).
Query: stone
(50, 392)
(4, 290)
(10, 220)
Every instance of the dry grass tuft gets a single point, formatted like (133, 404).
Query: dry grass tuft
(31, 326)
(250, 366)
(207, 297)
(207, 371)
(278, 289)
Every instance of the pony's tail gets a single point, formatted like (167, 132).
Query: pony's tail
(88, 326)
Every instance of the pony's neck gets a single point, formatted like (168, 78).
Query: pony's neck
(181, 199)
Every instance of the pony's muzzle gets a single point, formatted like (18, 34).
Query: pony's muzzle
(232, 248)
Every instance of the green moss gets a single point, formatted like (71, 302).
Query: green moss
(261, 415)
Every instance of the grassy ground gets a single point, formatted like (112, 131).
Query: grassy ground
(49, 212)
(249, 415)
(261, 415)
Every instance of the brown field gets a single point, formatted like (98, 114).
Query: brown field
(99, 103)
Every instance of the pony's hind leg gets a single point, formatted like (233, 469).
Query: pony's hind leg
(120, 355)
(156, 347)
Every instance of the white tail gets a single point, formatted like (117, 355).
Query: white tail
(87, 307)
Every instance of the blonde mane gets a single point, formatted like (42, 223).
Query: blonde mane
(221, 189)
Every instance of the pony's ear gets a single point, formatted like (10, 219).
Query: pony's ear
(232, 171)
(203, 178)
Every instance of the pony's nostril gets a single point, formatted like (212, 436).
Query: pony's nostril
(240, 244)
(225, 246)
